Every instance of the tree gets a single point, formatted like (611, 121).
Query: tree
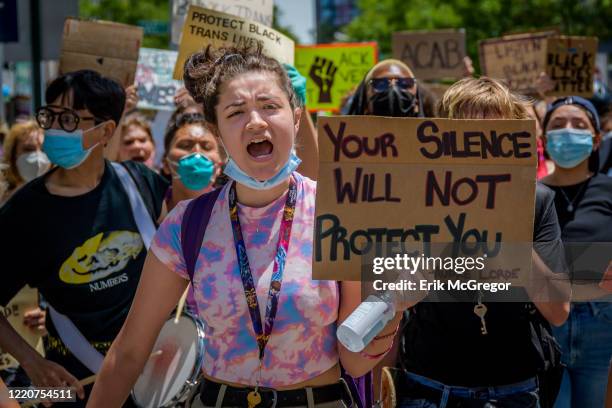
(134, 11)
(131, 12)
(481, 18)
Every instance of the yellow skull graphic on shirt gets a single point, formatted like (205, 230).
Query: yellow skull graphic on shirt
(100, 257)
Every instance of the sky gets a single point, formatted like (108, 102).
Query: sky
(300, 16)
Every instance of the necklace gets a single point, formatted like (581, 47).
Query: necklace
(570, 203)
(262, 330)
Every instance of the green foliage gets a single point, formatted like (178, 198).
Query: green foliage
(481, 18)
(130, 12)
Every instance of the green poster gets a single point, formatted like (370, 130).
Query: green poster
(333, 70)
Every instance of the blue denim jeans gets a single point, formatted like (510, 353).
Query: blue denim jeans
(420, 392)
(586, 342)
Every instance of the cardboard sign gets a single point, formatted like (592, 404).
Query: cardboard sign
(570, 63)
(106, 47)
(517, 59)
(431, 54)
(24, 301)
(260, 11)
(156, 88)
(333, 71)
(420, 180)
(203, 27)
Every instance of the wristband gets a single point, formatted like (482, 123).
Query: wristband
(375, 356)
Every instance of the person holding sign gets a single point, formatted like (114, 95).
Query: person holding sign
(583, 200)
(256, 251)
(452, 354)
(389, 89)
(85, 246)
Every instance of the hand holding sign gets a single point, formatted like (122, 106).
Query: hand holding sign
(131, 98)
(322, 72)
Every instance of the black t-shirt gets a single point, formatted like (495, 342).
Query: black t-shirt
(83, 253)
(587, 230)
(605, 157)
(443, 341)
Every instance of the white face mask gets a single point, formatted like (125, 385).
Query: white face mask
(33, 164)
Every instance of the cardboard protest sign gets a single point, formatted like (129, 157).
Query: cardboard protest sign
(24, 301)
(260, 11)
(333, 70)
(106, 47)
(570, 63)
(156, 88)
(517, 59)
(420, 180)
(431, 54)
(203, 27)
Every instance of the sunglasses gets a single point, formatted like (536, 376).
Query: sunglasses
(68, 119)
(382, 84)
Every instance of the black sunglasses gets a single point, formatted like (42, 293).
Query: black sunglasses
(382, 84)
(68, 119)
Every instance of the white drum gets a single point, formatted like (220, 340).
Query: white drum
(173, 370)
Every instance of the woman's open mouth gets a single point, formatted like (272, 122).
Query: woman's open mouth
(260, 149)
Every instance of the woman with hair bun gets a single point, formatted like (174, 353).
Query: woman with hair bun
(270, 328)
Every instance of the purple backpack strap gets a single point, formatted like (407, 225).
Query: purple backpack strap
(193, 227)
(362, 388)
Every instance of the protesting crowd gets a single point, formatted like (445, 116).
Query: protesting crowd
(187, 273)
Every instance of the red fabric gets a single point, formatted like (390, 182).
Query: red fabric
(542, 170)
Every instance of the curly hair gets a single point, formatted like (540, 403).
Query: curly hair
(206, 71)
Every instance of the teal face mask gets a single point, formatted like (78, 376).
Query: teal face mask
(195, 171)
(569, 147)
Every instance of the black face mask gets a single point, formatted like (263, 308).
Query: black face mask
(394, 102)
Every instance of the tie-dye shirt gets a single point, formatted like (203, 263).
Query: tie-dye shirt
(303, 340)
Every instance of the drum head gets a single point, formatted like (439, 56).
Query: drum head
(165, 375)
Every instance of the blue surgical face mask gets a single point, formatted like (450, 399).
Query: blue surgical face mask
(234, 172)
(569, 147)
(195, 171)
(65, 149)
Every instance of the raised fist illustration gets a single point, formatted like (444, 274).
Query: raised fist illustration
(323, 72)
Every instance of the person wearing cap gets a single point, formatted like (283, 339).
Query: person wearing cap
(583, 202)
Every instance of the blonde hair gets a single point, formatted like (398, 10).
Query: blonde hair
(482, 98)
(136, 120)
(16, 135)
